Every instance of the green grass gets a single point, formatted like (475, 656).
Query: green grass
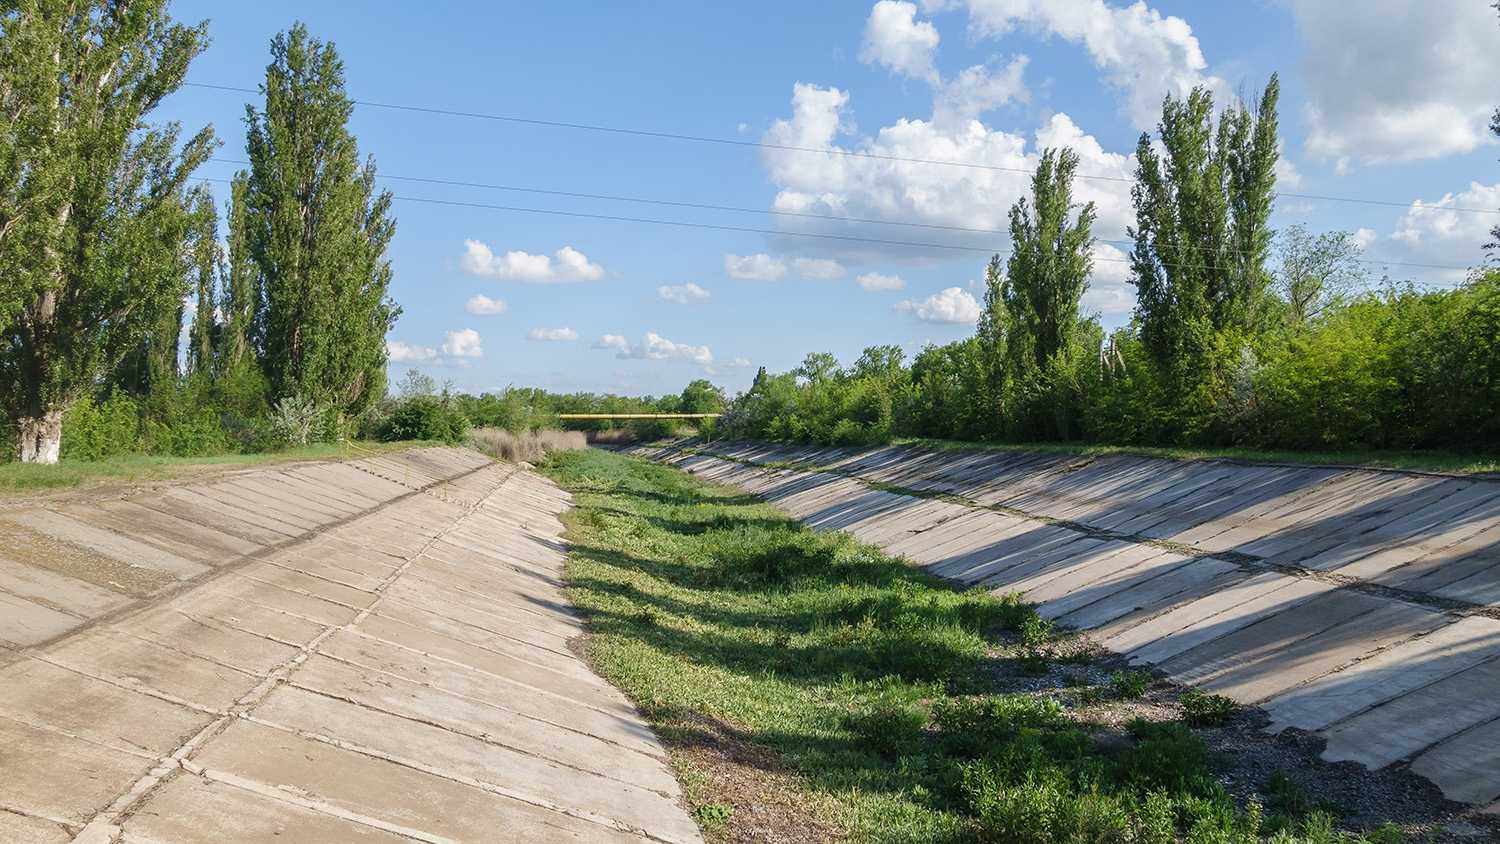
(21, 478)
(1423, 461)
(869, 681)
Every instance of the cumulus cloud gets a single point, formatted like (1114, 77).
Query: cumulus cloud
(879, 281)
(655, 347)
(399, 352)
(759, 267)
(896, 39)
(976, 90)
(1438, 230)
(1364, 238)
(1401, 80)
(763, 267)
(484, 306)
(567, 264)
(817, 269)
(884, 189)
(682, 294)
(1141, 52)
(463, 343)
(952, 305)
(553, 335)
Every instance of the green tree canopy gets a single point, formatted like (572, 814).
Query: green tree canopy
(92, 216)
(317, 231)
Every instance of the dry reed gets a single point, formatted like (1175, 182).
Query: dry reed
(527, 447)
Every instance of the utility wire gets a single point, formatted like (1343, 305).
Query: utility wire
(795, 214)
(704, 139)
(750, 229)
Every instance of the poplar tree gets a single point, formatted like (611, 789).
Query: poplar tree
(1050, 261)
(317, 232)
(241, 295)
(1202, 230)
(992, 331)
(91, 213)
(205, 260)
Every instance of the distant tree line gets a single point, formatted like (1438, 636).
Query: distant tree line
(1240, 335)
(106, 241)
(424, 410)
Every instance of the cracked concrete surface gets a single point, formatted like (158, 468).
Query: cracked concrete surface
(1362, 605)
(373, 650)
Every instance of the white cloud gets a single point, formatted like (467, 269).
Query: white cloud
(817, 269)
(1364, 238)
(1141, 52)
(1436, 230)
(1288, 177)
(552, 334)
(759, 267)
(1400, 80)
(880, 281)
(484, 306)
(569, 265)
(656, 347)
(976, 90)
(682, 294)
(463, 343)
(763, 267)
(895, 39)
(952, 305)
(886, 189)
(1109, 290)
(399, 352)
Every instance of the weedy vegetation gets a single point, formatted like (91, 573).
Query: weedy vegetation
(866, 683)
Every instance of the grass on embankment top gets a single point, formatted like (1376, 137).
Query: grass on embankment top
(1417, 461)
(21, 478)
(857, 688)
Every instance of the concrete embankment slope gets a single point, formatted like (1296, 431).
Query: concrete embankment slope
(1358, 604)
(374, 650)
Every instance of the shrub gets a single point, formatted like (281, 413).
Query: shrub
(94, 430)
(1129, 685)
(1206, 710)
(425, 418)
(293, 419)
(200, 435)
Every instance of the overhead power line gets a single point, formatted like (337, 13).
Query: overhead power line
(793, 214)
(847, 153)
(616, 218)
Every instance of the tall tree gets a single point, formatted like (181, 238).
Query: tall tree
(1050, 262)
(241, 293)
(993, 329)
(318, 232)
(91, 213)
(205, 261)
(1202, 229)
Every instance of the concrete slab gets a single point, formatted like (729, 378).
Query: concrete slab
(1467, 766)
(1387, 675)
(108, 543)
(538, 781)
(20, 829)
(195, 810)
(51, 589)
(26, 622)
(1407, 725)
(65, 779)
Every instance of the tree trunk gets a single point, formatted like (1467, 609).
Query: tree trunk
(40, 437)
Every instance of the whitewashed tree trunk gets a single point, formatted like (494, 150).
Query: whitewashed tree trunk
(40, 437)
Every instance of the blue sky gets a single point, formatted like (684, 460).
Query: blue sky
(1390, 106)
